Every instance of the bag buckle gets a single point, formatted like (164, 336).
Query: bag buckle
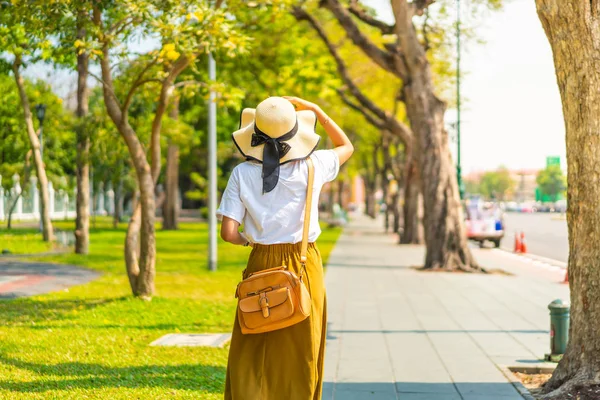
(264, 304)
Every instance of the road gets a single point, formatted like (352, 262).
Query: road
(545, 233)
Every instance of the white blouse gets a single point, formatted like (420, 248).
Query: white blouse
(277, 216)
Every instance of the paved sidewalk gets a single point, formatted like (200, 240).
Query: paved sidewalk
(397, 333)
(22, 279)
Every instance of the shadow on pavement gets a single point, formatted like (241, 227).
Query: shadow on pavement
(420, 391)
(423, 331)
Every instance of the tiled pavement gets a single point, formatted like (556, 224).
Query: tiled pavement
(397, 333)
(21, 279)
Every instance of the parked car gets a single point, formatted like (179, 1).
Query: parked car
(485, 222)
(560, 206)
(527, 208)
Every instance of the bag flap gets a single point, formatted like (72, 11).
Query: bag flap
(274, 298)
(269, 270)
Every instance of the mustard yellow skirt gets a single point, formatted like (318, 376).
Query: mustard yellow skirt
(287, 363)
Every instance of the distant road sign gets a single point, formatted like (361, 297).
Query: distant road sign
(553, 160)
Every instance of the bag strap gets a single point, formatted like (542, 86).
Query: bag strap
(309, 193)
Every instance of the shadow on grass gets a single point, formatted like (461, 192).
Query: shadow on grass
(155, 327)
(19, 231)
(78, 375)
(26, 310)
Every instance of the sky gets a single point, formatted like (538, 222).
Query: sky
(511, 112)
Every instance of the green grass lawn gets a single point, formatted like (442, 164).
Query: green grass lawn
(91, 342)
(22, 241)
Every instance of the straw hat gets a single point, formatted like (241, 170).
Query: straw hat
(275, 133)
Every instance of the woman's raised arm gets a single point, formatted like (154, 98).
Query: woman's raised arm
(342, 145)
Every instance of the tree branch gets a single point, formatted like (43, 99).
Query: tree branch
(358, 11)
(121, 25)
(426, 44)
(165, 95)
(189, 83)
(384, 59)
(139, 81)
(386, 118)
(419, 6)
(301, 14)
(366, 114)
(105, 86)
(407, 36)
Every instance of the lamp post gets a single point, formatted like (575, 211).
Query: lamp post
(461, 186)
(40, 113)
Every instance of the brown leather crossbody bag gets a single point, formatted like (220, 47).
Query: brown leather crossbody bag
(276, 298)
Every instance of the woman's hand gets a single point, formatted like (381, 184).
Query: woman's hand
(301, 104)
(343, 146)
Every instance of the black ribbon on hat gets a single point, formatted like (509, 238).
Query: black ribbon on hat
(274, 150)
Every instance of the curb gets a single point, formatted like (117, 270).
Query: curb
(516, 382)
(549, 261)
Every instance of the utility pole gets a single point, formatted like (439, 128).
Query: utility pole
(461, 186)
(212, 168)
(40, 111)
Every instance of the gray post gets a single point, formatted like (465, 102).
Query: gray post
(65, 200)
(100, 202)
(461, 185)
(110, 194)
(212, 169)
(16, 191)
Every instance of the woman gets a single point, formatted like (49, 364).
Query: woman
(266, 194)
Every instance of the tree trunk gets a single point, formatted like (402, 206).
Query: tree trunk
(340, 193)
(445, 234)
(395, 212)
(572, 27)
(367, 198)
(11, 210)
(140, 241)
(171, 204)
(331, 197)
(82, 220)
(118, 203)
(388, 205)
(48, 231)
(370, 201)
(412, 210)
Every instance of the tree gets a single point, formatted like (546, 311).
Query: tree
(185, 30)
(572, 28)
(66, 22)
(72, 29)
(551, 181)
(357, 99)
(407, 58)
(497, 184)
(23, 38)
(109, 156)
(171, 205)
(59, 154)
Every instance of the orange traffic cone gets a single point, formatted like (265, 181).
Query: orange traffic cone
(566, 280)
(523, 243)
(518, 246)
